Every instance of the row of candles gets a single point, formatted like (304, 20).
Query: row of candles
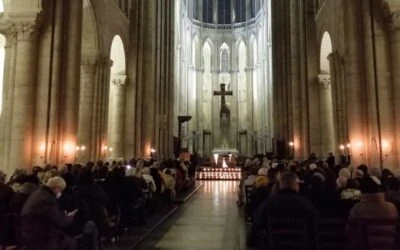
(218, 176)
(220, 170)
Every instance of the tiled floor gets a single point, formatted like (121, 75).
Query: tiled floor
(210, 220)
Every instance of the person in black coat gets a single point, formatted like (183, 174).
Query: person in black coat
(42, 222)
(286, 204)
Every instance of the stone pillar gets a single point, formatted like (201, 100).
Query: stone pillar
(117, 134)
(5, 103)
(23, 96)
(199, 103)
(72, 77)
(354, 77)
(86, 102)
(327, 128)
(250, 99)
(395, 53)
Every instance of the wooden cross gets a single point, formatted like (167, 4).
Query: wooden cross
(223, 93)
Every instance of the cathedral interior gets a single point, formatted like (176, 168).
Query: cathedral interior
(112, 80)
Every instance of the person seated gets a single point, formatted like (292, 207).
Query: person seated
(393, 191)
(30, 184)
(97, 201)
(372, 206)
(6, 194)
(169, 186)
(156, 174)
(42, 222)
(286, 204)
(149, 179)
(373, 203)
(135, 187)
(82, 227)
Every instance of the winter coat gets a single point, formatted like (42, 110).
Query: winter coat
(42, 222)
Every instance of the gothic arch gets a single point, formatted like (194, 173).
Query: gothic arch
(209, 43)
(325, 49)
(90, 41)
(224, 57)
(117, 55)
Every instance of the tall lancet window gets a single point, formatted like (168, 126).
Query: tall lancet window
(224, 58)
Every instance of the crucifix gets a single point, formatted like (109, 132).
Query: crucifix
(224, 114)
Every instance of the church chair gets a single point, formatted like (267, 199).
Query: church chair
(330, 234)
(248, 189)
(287, 234)
(379, 234)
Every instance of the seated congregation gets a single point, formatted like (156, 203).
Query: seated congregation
(314, 205)
(85, 207)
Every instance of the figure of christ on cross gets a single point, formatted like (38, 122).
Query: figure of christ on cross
(224, 115)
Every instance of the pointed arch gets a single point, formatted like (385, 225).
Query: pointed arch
(90, 37)
(117, 55)
(224, 57)
(326, 49)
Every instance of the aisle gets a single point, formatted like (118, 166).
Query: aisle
(210, 220)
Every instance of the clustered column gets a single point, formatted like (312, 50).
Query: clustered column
(395, 46)
(117, 116)
(86, 114)
(24, 95)
(327, 141)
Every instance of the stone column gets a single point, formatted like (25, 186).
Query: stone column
(395, 53)
(118, 116)
(72, 76)
(250, 117)
(6, 104)
(327, 128)
(199, 104)
(23, 96)
(86, 101)
(354, 76)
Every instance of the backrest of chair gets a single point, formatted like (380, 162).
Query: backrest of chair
(379, 234)
(287, 234)
(248, 189)
(331, 234)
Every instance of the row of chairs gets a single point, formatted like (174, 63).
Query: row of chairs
(332, 234)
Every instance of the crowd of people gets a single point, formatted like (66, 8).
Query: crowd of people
(315, 190)
(82, 206)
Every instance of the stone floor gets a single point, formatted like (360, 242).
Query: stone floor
(209, 220)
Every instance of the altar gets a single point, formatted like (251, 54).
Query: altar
(224, 157)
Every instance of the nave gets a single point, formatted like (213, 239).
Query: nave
(209, 220)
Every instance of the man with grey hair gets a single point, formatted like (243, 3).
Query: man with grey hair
(42, 222)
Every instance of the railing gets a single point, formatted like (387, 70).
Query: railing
(247, 23)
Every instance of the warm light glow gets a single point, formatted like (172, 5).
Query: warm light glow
(42, 147)
(105, 148)
(77, 148)
(291, 144)
(359, 144)
(224, 165)
(110, 149)
(348, 145)
(83, 148)
(385, 144)
(341, 147)
(216, 158)
(152, 150)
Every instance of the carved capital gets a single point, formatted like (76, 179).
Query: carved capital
(23, 30)
(200, 70)
(395, 20)
(324, 81)
(249, 69)
(119, 80)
